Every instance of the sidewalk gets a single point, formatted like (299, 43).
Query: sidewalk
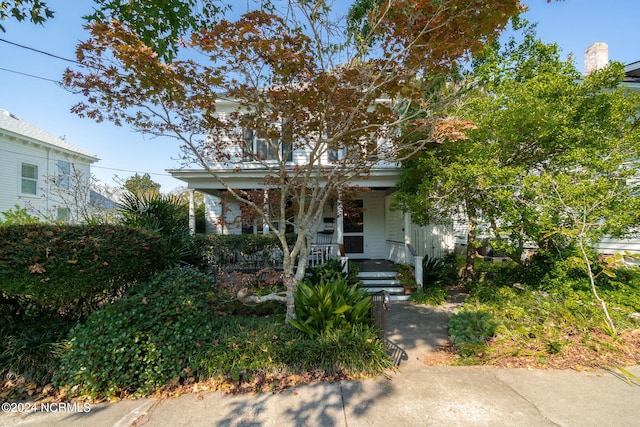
(416, 395)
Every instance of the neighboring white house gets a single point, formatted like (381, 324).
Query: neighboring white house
(37, 169)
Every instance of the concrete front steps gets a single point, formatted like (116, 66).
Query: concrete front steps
(376, 281)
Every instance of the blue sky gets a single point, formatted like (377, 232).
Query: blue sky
(572, 24)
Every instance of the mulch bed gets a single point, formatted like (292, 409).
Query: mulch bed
(599, 351)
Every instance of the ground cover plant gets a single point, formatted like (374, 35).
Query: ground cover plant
(44, 290)
(514, 320)
(170, 333)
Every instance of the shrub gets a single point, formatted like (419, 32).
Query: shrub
(332, 270)
(405, 276)
(145, 339)
(17, 216)
(469, 330)
(437, 274)
(434, 294)
(163, 333)
(168, 215)
(71, 269)
(213, 252)
(439, 270)
(330, 306)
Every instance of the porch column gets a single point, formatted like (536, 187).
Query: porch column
(344, 260)
(265, 210)
(417, 270)
(192, 212)
(407, 237)
(339, 221)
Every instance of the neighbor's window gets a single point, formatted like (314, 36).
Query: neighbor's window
(29, 182)
(64, 214)
(64, 173)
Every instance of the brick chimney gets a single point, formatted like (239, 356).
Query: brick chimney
(596, 57)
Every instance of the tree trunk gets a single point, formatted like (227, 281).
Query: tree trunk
(291, 285)
(592, 282)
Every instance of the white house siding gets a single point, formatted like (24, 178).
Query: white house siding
(46, 200)
(213, 212)
(12, 156)
(395, 222)
(221, 219)
(22, 142)
(432, 240)
(611, 246)
(395, 247)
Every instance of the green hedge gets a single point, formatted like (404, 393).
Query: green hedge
(250, 251)
(71, 268)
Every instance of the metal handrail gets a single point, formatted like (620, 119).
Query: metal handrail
(380, 304)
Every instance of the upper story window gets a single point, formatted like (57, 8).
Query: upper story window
(259, 148)
(29, 179)
(64, 174)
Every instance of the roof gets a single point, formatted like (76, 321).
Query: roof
(632, 71)
(21, 128)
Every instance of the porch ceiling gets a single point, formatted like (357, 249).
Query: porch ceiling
(201, 180)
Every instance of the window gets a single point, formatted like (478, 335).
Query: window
(64, 214)
(64, 173)
(257, 148)
(29, 179)
(263, 149)
(332, 156)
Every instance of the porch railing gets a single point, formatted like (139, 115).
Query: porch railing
(321, 252)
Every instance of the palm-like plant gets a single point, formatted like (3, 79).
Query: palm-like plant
(166, 215)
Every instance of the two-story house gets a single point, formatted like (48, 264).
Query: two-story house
(369, 230)
(38, 170)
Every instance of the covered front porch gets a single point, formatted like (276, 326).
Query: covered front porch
(360, 227)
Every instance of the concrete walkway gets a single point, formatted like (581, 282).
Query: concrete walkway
(416, 395)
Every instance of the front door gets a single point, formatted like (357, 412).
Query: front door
(353, 227)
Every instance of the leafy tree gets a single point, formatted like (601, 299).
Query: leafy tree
(36, 11)
(298, 80)
(159, 25)
(550, 160)
(141, 184)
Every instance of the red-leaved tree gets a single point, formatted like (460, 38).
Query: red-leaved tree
(294, 75)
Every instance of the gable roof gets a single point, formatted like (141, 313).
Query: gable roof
(17, 128)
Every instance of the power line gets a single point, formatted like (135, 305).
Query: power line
(40, 51)
(29, 75)
(92, 166)
(130, 171)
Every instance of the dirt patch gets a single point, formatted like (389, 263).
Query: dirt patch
(597, 350)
